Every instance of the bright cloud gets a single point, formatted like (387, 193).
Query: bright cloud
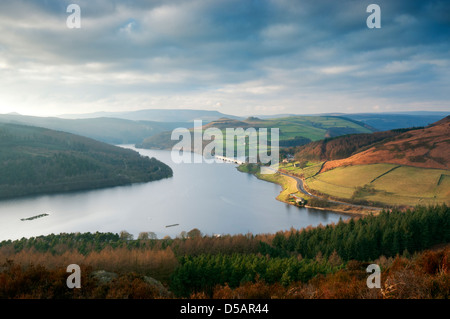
(238, 56)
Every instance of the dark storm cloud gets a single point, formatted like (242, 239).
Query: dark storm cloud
(266, 55)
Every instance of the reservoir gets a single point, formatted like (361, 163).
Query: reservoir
(215, 198)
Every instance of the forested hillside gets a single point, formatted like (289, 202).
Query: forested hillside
(323, 262)
(36, 160)
(104, 129)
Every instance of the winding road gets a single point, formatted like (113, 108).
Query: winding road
(302, 189)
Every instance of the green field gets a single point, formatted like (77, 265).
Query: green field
(288, 185)
(312, 127)
(290, 128)
(443, 189)
(388, 184)
(310, 170)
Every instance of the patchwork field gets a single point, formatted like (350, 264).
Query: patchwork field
(312, 127)
(310, 170)
(389, 184)
(292, 130)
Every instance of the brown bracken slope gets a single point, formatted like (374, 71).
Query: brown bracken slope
(428, 147)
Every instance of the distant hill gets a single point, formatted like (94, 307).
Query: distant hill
(157, 115)
(133, 127)
(224, 123)
(109, 130)
(428, 147)
(312, 127)
(382, 121)
(295, 130)
(390, 121)
(36, 160)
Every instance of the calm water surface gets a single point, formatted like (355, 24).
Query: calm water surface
(215, 198)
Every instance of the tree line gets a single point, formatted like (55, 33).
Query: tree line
(36, 160)
(389, 233)
(300, 255)
(199, 264)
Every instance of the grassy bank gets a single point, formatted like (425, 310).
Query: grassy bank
(288, 185)
(378, 184)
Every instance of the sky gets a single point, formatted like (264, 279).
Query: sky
(240, 57)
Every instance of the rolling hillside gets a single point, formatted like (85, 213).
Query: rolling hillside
(108, 130)
(390, 121)
(426, 148)
(36, 160)
(340, 147)
(311, 127)
(157, 115)
(295, 130)
(383, 121)
(407, 167)
(384, 184)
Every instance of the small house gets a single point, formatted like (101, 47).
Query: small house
(298, 199)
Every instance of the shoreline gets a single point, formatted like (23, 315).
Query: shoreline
(340, 210)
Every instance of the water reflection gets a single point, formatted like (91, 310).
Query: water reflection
(215, 198)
